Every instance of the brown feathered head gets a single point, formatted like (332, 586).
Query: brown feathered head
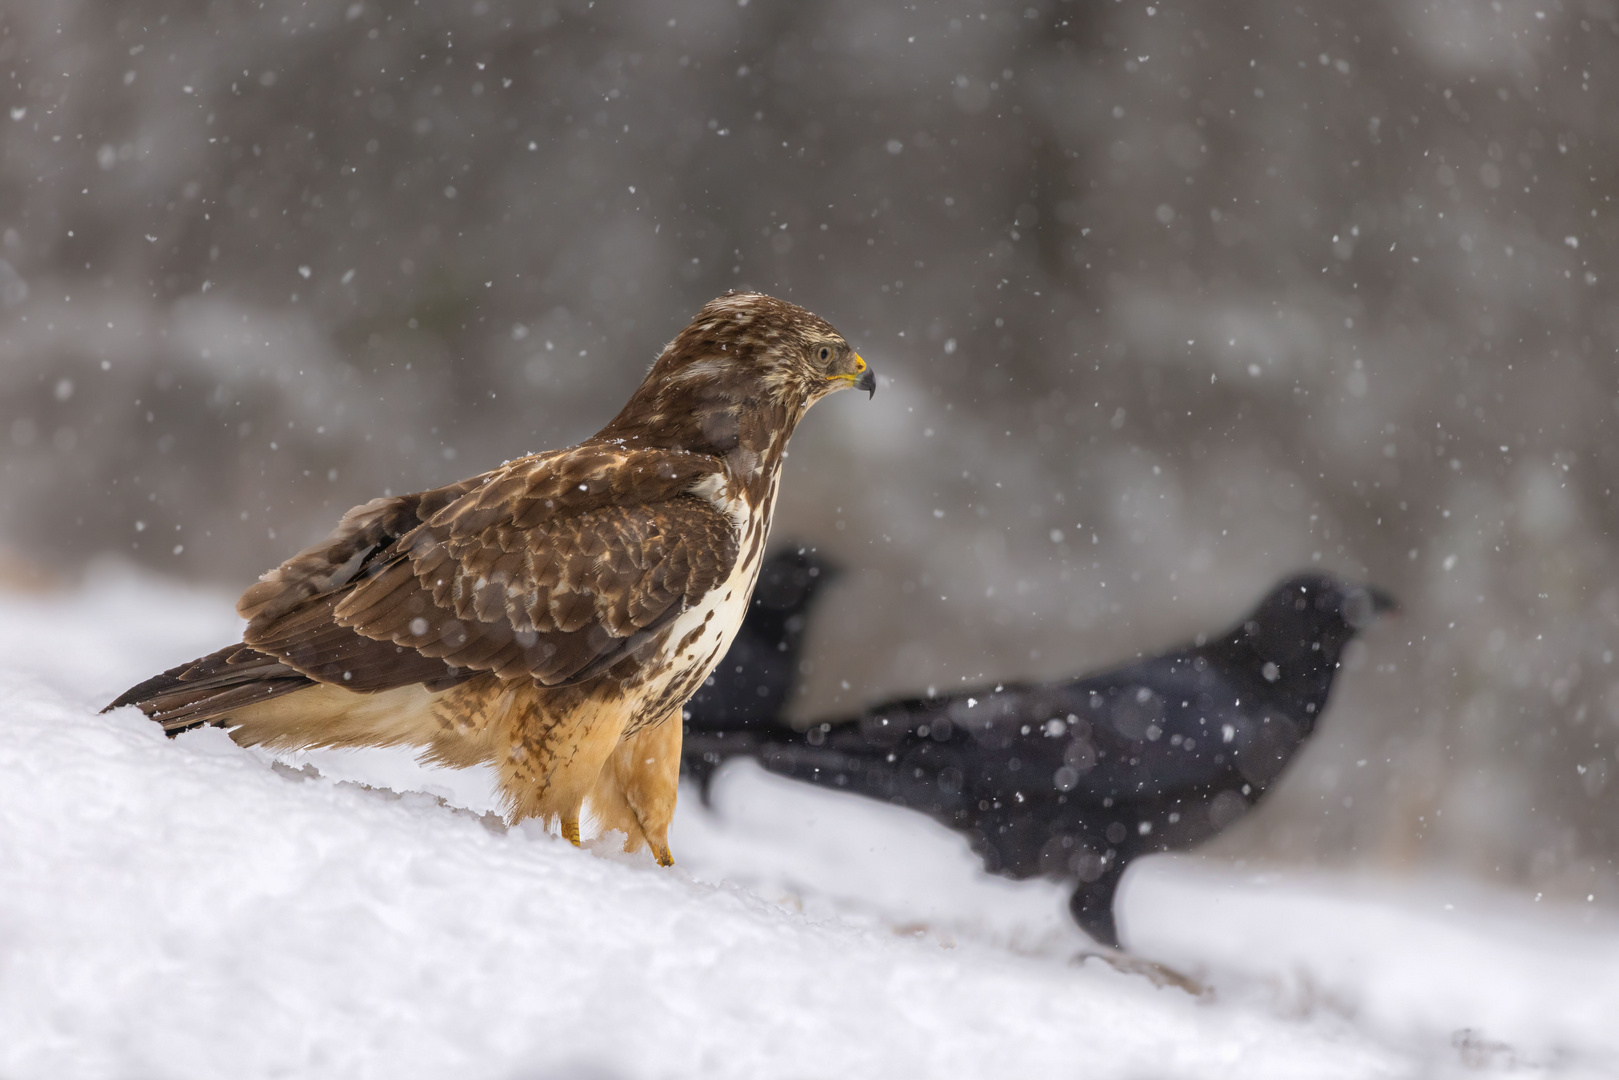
(747, 361)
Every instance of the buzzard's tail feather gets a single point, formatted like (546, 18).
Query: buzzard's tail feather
(208, 690)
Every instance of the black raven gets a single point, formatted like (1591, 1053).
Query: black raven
(751, 686)
(1075, 779)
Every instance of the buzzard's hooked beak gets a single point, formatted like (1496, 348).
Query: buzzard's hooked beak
(862, 377)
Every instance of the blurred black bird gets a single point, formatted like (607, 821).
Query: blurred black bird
(1076, 779)
(751, 686)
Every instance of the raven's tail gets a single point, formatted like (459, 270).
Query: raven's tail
(703, 752)
(205, 691)
(836, 756)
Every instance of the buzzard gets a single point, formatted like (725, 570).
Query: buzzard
(1077, 778)
(551, 616)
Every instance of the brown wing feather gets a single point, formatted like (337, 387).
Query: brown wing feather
(553, 567)
(575, 605)
(361, 536)
(310, 640)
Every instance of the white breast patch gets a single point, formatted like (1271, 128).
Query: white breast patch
(712, 623)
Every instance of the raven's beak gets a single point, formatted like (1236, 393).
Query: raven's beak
(867, 382)
(825, 573)
(1363, 603)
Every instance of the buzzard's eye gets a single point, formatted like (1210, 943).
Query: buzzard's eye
(826, 353)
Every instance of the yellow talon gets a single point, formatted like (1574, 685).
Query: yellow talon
(570, 829)
(662, 855)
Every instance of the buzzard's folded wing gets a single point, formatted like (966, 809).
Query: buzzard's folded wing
(553, 567)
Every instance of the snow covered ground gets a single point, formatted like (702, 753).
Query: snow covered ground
(187, 908)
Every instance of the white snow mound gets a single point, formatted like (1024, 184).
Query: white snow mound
(185, 908)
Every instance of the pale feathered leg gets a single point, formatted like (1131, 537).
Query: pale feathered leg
(551, 750)
(636, 791)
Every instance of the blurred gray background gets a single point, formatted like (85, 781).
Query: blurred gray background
(1168, 299)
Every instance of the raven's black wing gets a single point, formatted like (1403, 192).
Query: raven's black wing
(1154, 729)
